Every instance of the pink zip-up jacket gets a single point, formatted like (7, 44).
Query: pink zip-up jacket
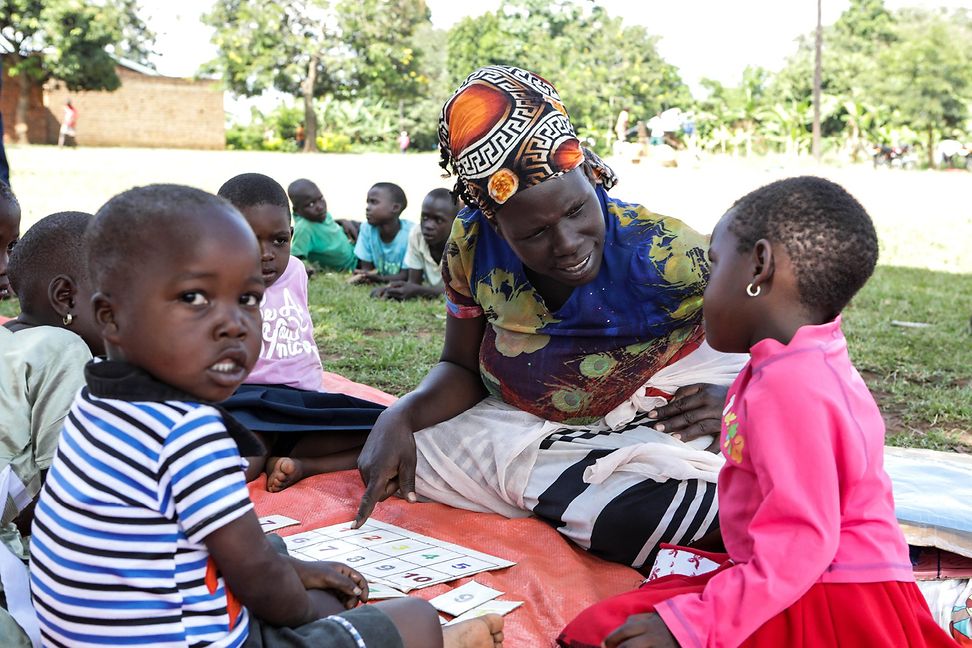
(803, 496)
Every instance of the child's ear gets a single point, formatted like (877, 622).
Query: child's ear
(61, 294)
(104, 312)
(764, 263)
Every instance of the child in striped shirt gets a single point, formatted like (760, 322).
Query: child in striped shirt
(144, 533)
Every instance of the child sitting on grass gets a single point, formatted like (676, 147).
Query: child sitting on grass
(306, 432)
(42, 356)
(383, 240)
(9, 233)
(815, 554)
(319, 238)
(145, 533)
(426, 243)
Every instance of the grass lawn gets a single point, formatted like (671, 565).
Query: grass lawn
(922, 377)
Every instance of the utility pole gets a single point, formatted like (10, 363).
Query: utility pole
(816, 86)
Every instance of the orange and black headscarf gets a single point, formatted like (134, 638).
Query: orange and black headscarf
(505, 130)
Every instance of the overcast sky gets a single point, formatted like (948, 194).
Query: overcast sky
(710, 38)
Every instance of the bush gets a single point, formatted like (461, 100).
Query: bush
(331, 142)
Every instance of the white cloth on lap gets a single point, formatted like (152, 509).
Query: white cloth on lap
(481, 459)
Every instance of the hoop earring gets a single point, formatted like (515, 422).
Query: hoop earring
(67, 319)
(751, 292)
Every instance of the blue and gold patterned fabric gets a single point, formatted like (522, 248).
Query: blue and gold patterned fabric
(577, 363)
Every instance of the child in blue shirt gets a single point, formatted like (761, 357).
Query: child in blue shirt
(144, 533)
(383, 240)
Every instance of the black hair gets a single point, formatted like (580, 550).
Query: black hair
(7, 194)
(396, 193)
(252, 189)
(442, 194)
(138, 221)
(54, 245)
(827, 234)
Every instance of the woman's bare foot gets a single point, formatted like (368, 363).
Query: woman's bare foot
(484, 632)
(283, 472)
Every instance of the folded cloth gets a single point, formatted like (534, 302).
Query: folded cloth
(665, 458)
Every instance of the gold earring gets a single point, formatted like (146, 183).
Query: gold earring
(751, 292)
(67, 319)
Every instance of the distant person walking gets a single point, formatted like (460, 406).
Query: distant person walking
(68, 124)
(403, 141)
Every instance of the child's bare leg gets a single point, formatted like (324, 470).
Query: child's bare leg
(325, 603)
(314, 454)
(256, 464)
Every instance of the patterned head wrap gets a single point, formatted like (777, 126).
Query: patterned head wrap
(505, 130)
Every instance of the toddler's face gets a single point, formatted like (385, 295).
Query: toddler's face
(437, 217)
(9, 233)
(724, 304)
(190, 315)
(380, 207)
(271, 224)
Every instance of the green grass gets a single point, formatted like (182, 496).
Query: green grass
(921, 377)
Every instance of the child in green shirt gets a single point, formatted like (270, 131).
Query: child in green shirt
(319, 238)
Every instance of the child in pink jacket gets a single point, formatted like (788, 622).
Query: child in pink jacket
(815, 555)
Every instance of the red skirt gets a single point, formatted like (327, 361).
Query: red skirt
(888, 613)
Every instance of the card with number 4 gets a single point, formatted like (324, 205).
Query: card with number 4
(464, 598)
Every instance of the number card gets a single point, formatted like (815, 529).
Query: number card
(273, 522)
(377, 592)
(464, 598)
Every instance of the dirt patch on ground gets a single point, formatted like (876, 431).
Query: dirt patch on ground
(896, 424)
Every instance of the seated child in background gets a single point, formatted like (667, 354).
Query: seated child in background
(383, 240)
(9, 233)
(144, 533)
(815, 554)
(306, 432)
(42, 356)
(423, 259)
(318, 237)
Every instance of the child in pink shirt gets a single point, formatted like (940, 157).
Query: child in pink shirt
(306, 432)
(815, 556)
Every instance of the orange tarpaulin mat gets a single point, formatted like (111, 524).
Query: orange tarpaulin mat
(554, 579)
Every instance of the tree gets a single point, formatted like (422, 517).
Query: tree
(288, 45)
(71, 41)
(386, 61)
(573, 44)
(928, 75)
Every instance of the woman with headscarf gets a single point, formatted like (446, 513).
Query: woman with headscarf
(572, 319)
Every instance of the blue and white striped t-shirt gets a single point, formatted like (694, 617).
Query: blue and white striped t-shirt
(117, 554)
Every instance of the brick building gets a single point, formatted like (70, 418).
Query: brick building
(148, 110)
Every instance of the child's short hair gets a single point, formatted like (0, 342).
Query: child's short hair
(827, 234)
(53, 245)
(252, 189)
(139, 220)
(441, 194)
(7, 194)
(397, 193)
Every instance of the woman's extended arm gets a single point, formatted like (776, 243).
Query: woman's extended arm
(387, 461)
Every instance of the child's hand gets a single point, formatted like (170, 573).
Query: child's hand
(401, 290)
(642, 631)
(346, 584)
